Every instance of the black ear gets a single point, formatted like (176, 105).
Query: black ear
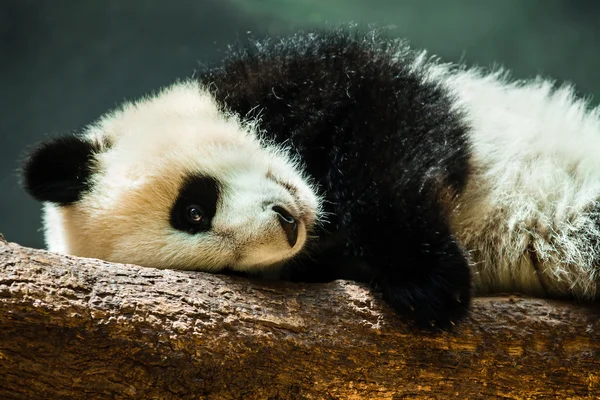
(58, 171)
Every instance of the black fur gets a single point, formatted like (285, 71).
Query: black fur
(202, 193)
(385, 147)
(58, 171)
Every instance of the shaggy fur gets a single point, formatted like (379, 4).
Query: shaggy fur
(341, 155)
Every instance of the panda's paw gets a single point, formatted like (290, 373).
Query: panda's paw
(436, 294)
(429, 309)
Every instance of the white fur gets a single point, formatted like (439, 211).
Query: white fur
(156, 143)
(529, 215)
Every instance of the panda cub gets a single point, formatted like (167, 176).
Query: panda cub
(339, 154)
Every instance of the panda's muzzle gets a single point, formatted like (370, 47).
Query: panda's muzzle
(288, 224)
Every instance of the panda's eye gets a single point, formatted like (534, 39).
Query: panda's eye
(195, 205)
(194, 214)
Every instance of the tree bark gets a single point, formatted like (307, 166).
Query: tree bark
(74, 328)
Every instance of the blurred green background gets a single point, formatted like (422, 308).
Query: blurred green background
(64, 62)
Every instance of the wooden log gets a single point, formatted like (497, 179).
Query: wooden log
(74, 328)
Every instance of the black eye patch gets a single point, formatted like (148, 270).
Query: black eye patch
(196, 204)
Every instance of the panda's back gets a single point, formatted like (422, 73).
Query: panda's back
(529, 213)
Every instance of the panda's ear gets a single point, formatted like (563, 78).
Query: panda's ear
(59, 169)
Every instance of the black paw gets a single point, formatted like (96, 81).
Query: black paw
(435, 294)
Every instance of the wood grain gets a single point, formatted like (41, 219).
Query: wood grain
(74, 328)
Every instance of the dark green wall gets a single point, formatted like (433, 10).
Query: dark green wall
(64, 62)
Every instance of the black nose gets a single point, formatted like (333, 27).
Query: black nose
(288, 223)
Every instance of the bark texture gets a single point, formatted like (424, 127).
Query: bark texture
(74, 328)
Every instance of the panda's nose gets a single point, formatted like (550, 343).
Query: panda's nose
(288, 223)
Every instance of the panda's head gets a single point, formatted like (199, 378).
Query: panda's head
(173, 181)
